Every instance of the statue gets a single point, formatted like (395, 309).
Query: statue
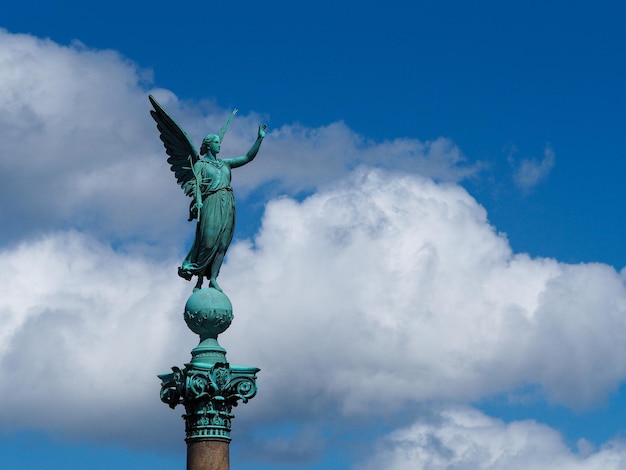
(206, 179)
(208, 386)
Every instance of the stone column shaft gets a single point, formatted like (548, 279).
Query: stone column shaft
(208, 455)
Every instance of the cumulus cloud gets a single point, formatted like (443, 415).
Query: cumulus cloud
(380, 291)
(300, 158)
(81, 151)
(464, 438)
(395, 289)
(84, 331)
(76, 151)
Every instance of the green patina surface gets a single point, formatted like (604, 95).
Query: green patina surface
(206, 179)
(208, 386)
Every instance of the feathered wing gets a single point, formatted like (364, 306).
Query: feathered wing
(178, 145)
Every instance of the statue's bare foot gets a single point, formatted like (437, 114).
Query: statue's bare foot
(198, 284)
(213, 283)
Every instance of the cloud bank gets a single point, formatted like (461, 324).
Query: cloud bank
(405, 281)
(386, 288)
(463, 438)
(382, 292)
(81, 151)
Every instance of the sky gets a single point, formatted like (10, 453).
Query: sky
(428, 263)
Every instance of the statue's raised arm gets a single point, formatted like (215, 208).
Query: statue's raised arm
(207, 179)
(248, 157)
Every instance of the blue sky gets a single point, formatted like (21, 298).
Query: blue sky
(429, 248)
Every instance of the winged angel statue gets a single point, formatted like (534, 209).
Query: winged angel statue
(206, 179)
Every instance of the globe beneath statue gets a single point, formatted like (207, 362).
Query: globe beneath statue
(208, 313)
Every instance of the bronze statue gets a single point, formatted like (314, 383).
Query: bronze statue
(206, 179)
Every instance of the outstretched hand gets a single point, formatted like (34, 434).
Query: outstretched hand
(262, 130)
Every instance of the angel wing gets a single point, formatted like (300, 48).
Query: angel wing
(179, 147)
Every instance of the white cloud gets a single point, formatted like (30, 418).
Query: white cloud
(84, 332)
(81, 151)
(395, 289)
(381, 292)
(530, 173)
(463, 438)
(299, 158)
(76, 147)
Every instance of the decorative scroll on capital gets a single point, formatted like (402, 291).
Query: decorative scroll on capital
(208, 396)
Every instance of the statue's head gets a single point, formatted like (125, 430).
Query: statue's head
(211, 142)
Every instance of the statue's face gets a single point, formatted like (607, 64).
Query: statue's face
(215, 146)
